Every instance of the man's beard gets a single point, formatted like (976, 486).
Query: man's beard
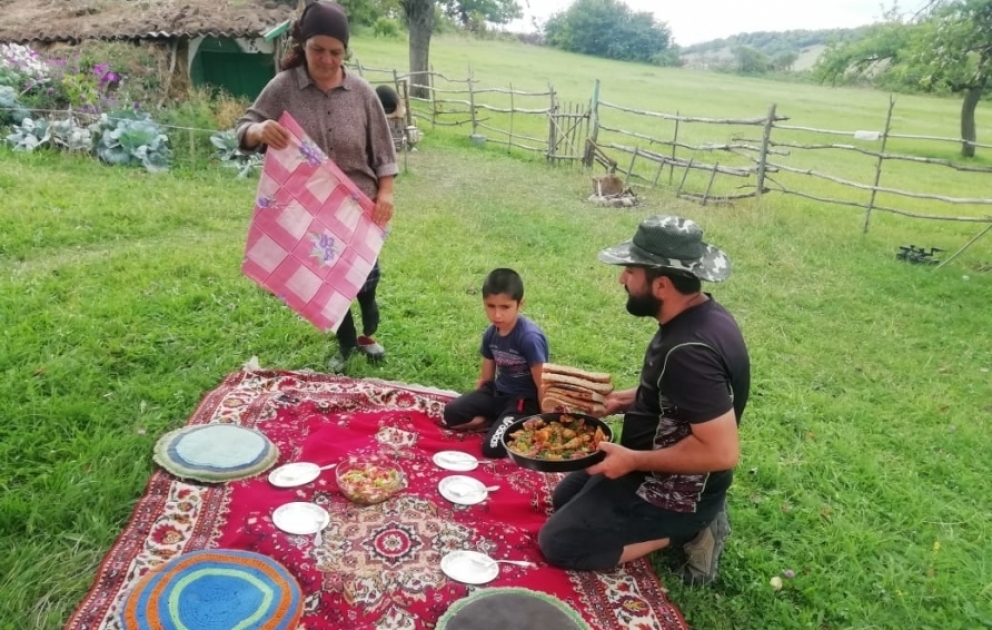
(644, 305)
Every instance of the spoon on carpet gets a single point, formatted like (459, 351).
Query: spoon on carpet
(519, 563)
(318, 538)
(473, 492)
(482, 560)
(296, 474)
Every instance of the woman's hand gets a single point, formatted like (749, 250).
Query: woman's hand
(383, 211)
(270, 133)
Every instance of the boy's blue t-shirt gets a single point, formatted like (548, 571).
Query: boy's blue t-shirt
(514, 355)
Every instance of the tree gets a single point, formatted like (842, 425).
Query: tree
(946, 47)
(785, 60)
(750, 60)
(420, 22)
(364, 12)
(421, 19)
(608, 28)
(471, 13)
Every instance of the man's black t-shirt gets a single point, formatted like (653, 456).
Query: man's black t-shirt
(695, 370)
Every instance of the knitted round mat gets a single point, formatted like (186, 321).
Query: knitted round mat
(215, 452)
(503, 608)
(217, 589)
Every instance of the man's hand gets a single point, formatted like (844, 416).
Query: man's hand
(619, 461)
(614, 404)
(383, 211)
(619, 402)
(270, 133)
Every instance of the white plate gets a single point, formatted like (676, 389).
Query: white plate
(292, 475)
(300, 518)
(469, 567)
(462, 490)
(456, 461)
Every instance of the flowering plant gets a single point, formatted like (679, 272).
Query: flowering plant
(21, 67)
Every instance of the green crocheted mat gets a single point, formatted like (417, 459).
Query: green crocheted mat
(215, 452)
(506, 608)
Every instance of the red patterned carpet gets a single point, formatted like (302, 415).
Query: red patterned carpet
(378, 566)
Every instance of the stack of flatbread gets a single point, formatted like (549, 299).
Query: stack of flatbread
(565, 388)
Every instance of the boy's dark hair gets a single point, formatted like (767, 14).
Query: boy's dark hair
(388, 97)
(503, 281)
(683, 283)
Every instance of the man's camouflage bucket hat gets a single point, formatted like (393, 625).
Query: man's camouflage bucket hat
(670, 242)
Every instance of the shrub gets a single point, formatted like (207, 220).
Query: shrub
(198, 116)
(387, 28)
(12, 111)
(30, 135)
(21, 67)
(231, 156)
(132, 139)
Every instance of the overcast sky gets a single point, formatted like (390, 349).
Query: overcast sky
(694, 21)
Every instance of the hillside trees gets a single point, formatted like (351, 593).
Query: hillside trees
(608, 28)
(948, 47)
(772, 43)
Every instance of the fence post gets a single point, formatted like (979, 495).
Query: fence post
(509, 140)
(675, 139)
(405, 95)
(967, 245)
(709, 186)
(592, 136)
(552, 136)
(430, 80)
(630, 169)
(657, 176)
(688, 167)
(766, 138)
(878, 165)
(471, 103)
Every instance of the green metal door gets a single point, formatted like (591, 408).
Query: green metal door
(240, 74)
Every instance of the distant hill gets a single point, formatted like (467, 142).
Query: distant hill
(807, 44)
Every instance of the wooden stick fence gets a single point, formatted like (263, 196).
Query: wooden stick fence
(579, 133)
(888, 156)
(690, 119)
(835, 132)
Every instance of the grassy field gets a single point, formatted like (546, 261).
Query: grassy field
(121, 304)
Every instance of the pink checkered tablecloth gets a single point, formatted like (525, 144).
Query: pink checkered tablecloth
(312, 242)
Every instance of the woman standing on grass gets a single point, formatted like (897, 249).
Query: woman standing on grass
(343, 116)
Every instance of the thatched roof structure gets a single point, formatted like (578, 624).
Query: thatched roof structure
(23, 21)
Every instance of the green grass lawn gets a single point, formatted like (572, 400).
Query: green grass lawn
(121, 304)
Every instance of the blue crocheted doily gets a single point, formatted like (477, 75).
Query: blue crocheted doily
(216, 589)
(215, 452)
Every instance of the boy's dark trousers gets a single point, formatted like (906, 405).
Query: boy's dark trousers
(498, 409)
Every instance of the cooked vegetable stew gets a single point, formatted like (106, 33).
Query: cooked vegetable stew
(569, 437)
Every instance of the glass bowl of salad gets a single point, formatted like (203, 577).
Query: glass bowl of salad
(369, 479)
